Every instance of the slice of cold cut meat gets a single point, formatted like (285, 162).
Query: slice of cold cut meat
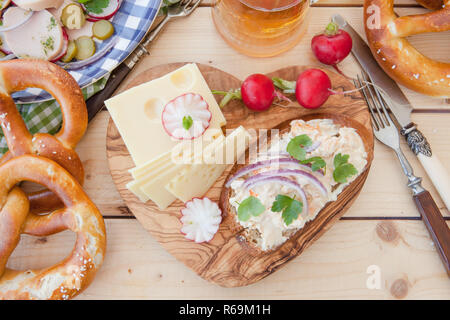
(38, 5)
(40, 37)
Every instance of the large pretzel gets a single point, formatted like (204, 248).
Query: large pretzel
(386, 34)
(16, 75)
(69, 277)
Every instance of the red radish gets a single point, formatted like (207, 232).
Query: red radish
(64, 48)
(186, 117)
(332, 46)
(106, 14)
(257, 92)
(313, 88)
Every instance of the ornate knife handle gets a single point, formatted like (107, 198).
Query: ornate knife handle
(430, 162)
(416, 140)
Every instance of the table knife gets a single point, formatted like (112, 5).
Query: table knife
(401, 108)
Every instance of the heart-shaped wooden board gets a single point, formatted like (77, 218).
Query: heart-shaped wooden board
(226, 260)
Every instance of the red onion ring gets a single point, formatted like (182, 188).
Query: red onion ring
(80, 64)
(287, 172)
(285, 182)
(266, 163)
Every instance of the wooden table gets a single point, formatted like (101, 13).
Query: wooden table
(382, 230)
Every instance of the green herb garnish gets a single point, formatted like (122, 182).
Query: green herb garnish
(291, 208)
(296, 147)
(317, 163)
(342, 168)
(95, 6)
(187, 122)
(52, 24)
(228, 96)
(251, 206)
(48, 44)
(285, 85)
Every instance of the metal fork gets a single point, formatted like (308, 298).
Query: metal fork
(95, 103)
(386, 132)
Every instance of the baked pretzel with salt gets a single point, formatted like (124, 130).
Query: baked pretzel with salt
(386, 33)
(71, 276)
(19, 74)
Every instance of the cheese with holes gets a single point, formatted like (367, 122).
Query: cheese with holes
(137, 111)
(195, 180)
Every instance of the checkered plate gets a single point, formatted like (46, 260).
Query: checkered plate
(131, 23)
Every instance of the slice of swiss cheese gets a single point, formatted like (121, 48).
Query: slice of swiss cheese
(194, 181)
(149, 184)
(181, 152)
(137, 111)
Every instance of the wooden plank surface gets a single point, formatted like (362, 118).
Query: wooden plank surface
(335, 266)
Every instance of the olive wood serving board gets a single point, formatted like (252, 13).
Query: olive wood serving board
(226, 260)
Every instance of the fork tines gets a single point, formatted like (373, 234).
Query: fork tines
(375, 101)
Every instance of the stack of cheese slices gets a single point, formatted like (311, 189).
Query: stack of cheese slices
(167, 168)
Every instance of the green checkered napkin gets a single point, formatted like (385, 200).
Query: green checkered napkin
(46, 116)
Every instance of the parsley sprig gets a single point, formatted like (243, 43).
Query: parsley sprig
(342, 168)
(290, 208)
(95, 6)
(297, 149)
(187, 122)
(251, 206)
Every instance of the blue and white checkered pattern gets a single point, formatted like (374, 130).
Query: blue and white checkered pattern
(131, 23)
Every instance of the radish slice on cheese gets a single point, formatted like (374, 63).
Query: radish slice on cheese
(201, 219)
(106, 13)
(40, 37)
(186, 117)
(38, 5)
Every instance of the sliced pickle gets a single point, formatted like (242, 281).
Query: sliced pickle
(85, 47)
(71, 52)
(102, 29)
(73, 17)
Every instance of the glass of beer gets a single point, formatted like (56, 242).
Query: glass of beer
(261, 28)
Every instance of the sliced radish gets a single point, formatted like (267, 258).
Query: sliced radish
(186, 117)
(106, 14)
(64, 48)
(201, 219)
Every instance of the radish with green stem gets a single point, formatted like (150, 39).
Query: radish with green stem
(332, 46)
(257, 92)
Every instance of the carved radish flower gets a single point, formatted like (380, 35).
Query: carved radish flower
(201, 219)
(186, 117)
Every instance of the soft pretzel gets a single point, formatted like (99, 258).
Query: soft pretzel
(71, 276)
(386, 33)
(16, 75)
(431, 4)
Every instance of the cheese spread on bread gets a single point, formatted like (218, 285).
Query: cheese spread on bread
(268, 229)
